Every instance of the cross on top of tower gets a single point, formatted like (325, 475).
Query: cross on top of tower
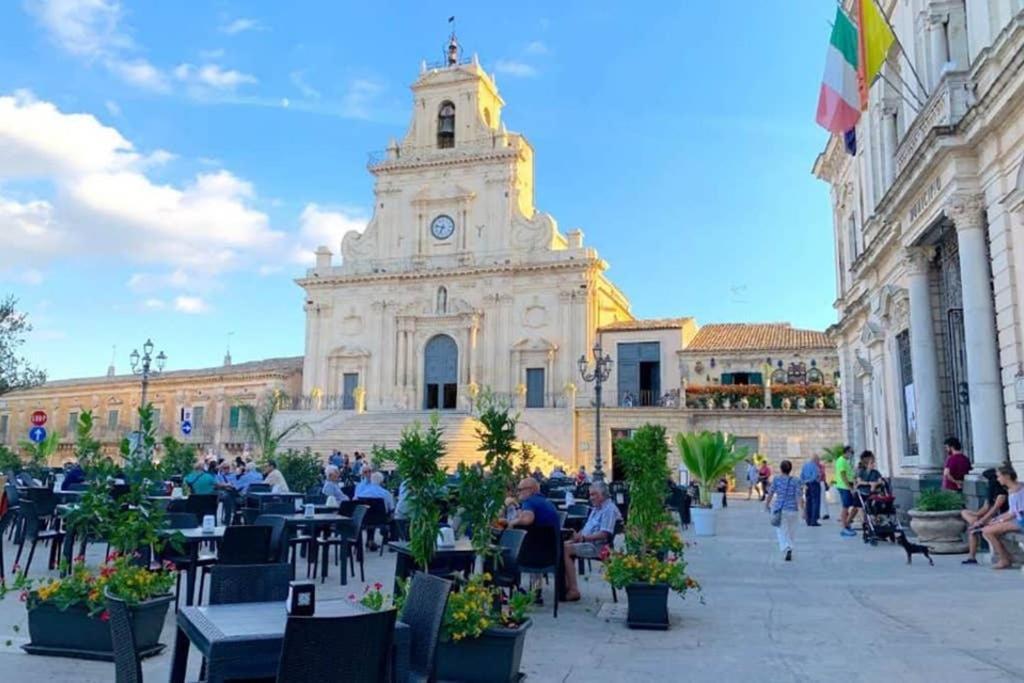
(452, 56)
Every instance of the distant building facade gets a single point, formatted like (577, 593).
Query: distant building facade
(930, 246)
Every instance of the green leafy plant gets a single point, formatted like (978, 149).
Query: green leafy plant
(382, 458)
(372, 597)
(709, 456)
(418, 456)
(301, 469)
(38, 455)
(178, 458)
(15, 372)
(477, 606)
(524, 466)
(9, 460)
(258, 423)
(939, 500)
(832, 453)
(88, 451)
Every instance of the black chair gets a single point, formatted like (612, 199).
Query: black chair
(347, 533)
(562, 516)
(127, 663)
(308, 639)
(202, 505)
(541, 553)
(424, 612)
(259, 488)
(13, 503)
(578, 509)
(230, 584)
(278, 536)
(278, 507)
(168, 553)
(34, 532)
(241, 545)
(377, 517)
(505, 572)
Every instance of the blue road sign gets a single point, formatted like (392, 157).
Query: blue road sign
(37, 434)
(186, 427)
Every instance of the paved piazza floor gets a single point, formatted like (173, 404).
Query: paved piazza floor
(839, 611)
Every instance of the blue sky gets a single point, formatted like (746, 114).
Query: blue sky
(164, 167)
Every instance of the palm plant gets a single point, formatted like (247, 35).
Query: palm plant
(258, 422)
(39, 454)
(833, 452)
(709, 456)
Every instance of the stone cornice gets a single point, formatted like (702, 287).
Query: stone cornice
(319, 282)
(400, 165)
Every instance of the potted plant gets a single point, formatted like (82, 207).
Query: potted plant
(482, 636)
(67, 616)
(708, 456)
(416, 459)
(936, 520)
(652, 562)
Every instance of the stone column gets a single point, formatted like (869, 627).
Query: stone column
(888, 145)
(984, 383)
(939, 48)
(924, 359)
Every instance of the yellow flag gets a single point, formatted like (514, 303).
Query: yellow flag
(875, 38)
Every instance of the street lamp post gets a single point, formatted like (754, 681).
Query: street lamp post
(599, 375)
(143, 365)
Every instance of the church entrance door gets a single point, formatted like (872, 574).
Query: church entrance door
(441, 373)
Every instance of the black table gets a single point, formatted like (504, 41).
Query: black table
(320, 522)
(244, 640)
(193, 538)
(446, 559)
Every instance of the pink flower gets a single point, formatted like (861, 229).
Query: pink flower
(351, 596)
(105, 616)
(24, 596)
(378, 585)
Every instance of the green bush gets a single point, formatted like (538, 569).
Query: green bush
(301, 469)
(939, 500)
(179, 458)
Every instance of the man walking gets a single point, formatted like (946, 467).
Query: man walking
(844, 482)
(810, 475)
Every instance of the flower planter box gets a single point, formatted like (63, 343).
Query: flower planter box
(494, 656)
(703, 521)
(942, 531)
(73, 633)
(648, 606)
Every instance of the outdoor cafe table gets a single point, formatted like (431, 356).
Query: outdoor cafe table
(321, 522)
(193, 538)
(458, 556)
(244, 640)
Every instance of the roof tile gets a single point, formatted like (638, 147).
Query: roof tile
(756, 337)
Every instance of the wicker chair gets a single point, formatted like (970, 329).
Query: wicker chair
(308, 642)
(506, 572)
(348, 533)
(424, 612)
(127, 664)
(241, 545)
(34, 532)
(278, 537)
(541, 553)
(230, 584)
(177, 520)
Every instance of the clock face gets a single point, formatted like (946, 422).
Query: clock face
(442, 227)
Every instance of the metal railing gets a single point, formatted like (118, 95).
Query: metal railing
(463, 148)
(319, 402)
(648, 399)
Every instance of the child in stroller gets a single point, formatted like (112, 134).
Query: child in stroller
(875, 499)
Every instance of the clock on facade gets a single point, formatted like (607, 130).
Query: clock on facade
(442, 227)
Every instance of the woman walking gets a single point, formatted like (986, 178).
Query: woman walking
(783, 503)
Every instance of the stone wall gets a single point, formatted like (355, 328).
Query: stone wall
(780, 434)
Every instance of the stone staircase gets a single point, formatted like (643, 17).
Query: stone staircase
(350, 431)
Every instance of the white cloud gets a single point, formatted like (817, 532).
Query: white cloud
(298, 79)
(210, 55)
(212, 76)
(193, 305)
(324, 227)
(515, 68)
(92, 30)
(154, 304)
(359, 99)
(241, 25)
(104, 203)
(113, 108)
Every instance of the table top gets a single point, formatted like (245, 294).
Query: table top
(243, 628)
(320, 518)
(462, 545)
(271, 493)
(196, 533)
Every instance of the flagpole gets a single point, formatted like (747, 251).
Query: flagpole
(909, 89)
(915, 107)
(899, 44)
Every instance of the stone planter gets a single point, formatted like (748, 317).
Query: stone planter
(703, 521)
(744, 403)
(801, 403)
(786, 404)
(73, 633)
(819, 403)
(726, 403)
(494, 656)
(942, 532)
(717, 500)
(648, 606)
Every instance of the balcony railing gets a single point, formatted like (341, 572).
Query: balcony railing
(425, 153)
(943, 110)
(645, 398)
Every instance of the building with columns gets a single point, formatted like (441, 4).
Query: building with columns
(928, 217)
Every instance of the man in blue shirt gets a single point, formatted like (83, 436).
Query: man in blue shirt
(250, 476)
(534, 511)
(374, 489)
(810, 477)
(598, 532)
(332, 487)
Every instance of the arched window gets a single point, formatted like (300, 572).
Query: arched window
(779, 377)
(441, 308)
(446, 125)
(487, 117)
(814, 376)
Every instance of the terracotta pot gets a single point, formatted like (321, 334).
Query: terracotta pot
(942, 531)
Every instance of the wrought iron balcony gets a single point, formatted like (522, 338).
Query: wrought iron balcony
(940, 114)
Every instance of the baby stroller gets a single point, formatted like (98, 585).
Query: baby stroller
(880, 519)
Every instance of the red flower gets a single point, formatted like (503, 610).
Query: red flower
(24, 596)
(378, 585)
(80, 559)
(105, 615)
(605, 552)
(351, 596)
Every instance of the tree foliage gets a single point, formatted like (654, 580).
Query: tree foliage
(178, 458)
(258, 423)
(524, 467)
(38, 454)
(301, 469)
(15, 371)
(644, 458)
(88, 451)
(418, 459)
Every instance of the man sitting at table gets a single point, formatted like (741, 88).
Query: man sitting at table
(273, 476)
(374, 488)
(331, 486)
(534, 510)
(248, 476)
(598, 532)
(199, 481)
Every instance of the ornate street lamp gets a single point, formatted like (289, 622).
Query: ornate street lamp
(599, 375)
(143, 365)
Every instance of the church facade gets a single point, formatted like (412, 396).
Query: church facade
(458, 282)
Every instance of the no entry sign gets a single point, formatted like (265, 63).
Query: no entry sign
(39, 418)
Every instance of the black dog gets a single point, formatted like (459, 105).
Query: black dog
(913, 548)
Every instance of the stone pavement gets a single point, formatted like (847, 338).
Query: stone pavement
(840, 611)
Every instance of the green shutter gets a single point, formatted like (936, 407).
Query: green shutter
(756, 378)
(726, 378)
(233, 417)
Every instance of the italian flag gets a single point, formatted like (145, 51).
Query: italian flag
(839, 98)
